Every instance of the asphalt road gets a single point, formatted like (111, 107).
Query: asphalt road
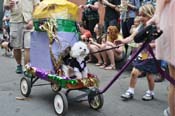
(40, 102)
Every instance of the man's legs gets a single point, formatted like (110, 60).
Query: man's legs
(18, 56)
(20, 37)
(15, 42)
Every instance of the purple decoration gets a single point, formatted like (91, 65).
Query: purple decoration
(41, 74)
(39, 52)
(64, 77)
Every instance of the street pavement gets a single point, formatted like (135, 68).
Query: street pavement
(40, 102)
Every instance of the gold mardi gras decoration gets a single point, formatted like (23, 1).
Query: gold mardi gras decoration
(50, 26)
(30, 70)
(90, 82)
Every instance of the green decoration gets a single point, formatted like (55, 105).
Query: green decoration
(63, 24)
(73, 82)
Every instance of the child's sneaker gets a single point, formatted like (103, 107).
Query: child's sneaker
(19, 69)
(148, 96)
(128, 95)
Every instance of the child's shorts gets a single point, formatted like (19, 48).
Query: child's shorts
(148, 65)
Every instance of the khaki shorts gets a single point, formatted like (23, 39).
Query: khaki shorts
(19, 36)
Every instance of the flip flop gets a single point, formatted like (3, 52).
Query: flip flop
(110, 67)
(103, 65)
(98, 64)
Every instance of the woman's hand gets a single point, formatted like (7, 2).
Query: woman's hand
(118, 42)
(91, 41)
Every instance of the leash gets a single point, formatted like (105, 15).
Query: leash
(106, 49)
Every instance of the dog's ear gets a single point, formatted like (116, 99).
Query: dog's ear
(67, 50)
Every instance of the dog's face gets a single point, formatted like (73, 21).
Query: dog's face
(79, 49)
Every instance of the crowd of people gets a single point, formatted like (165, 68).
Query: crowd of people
(110, 42)
(119, 22)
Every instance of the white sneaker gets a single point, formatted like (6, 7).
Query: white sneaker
(148, 96)
(127, 95)
(166, 112)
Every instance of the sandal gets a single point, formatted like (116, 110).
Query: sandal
(110, 67)
(103, 65)
(98, 64)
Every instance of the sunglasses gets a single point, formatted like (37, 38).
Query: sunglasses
(85, 40)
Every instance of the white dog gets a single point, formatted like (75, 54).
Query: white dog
(77, 61)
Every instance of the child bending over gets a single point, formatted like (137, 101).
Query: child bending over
(144, 62)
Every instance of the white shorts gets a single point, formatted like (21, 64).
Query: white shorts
(19, 36)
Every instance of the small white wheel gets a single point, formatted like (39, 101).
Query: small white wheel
(95, 100)
(55, 87)
(25, 86)
(60, 104)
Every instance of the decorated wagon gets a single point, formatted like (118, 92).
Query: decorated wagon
(56, 30)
